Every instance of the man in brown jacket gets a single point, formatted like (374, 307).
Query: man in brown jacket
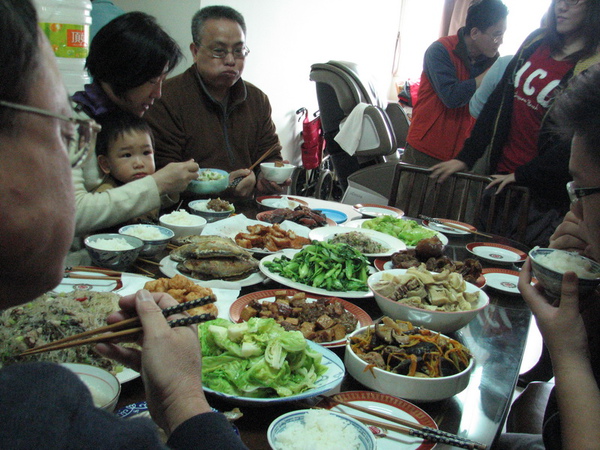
(210, 114)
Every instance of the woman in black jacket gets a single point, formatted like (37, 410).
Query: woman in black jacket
(514, 126)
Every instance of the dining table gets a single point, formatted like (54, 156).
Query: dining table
(496, 338)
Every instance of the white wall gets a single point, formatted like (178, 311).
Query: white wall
(285, 37)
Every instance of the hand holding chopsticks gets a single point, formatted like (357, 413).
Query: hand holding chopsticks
(122, 328)
(408, 427)
(237, 180)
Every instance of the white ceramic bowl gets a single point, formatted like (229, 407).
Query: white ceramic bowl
(209, 186)
(113, 259)
(182, 223)
(151, 246)
(198, 207)
(444, 322)
(551, 279)
(103, 385)
(277, 174)
(366, 438)
(410, 388)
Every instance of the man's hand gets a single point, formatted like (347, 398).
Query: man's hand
(264, 186)
(245, 187)
(170, 359)
(569, 235)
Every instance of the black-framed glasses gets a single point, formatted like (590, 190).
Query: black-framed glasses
(82, 139)
(221, 53)
(576, 193)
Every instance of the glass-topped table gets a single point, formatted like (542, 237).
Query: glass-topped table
(496, 338)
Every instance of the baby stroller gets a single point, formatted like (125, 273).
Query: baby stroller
(316, 177)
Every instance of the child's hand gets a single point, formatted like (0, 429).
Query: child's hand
(174, 177)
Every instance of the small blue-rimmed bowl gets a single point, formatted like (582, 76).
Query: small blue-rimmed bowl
(550, 274)
(152, 246)
(365, 437)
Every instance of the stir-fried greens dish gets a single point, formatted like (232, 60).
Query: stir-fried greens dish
(408, 231)
(400, 347)
(257, 358)
(333, 267)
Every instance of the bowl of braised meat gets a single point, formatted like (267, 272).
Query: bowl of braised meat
(212, 209)
(400, 359)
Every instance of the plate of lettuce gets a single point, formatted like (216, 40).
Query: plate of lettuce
(407, 230)
(258, 363)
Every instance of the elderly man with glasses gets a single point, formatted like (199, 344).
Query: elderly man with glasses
(210, 114)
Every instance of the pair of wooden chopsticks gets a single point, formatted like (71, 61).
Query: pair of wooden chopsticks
(108, 274)
(237, 180)
(111, 332)
(408, 427)
(453, 226)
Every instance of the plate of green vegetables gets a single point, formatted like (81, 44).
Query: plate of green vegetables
(259, 363)
(407, 230)
(321, 268)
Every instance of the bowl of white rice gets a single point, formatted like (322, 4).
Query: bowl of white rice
(155, 237)
(103, 385)
(549, 266)
(319, 430)
(182, 223)
(113, 251)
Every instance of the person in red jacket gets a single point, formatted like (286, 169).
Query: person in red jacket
(453, 68)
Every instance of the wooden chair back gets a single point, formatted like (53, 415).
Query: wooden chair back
(460, 198)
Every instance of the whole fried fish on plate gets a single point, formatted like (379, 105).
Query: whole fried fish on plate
(209, 247)
(214, 258)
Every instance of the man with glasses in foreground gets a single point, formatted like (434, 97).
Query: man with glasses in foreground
(42, 404)
(571, 326)
(210, 114)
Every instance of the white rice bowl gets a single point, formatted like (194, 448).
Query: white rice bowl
(111, 244)
(564, 262)
(550, 264)
(145, 233)
(313, 429)
(182, 218)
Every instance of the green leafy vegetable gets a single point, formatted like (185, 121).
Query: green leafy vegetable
(333, 267)
(257, 358)
(408, 231)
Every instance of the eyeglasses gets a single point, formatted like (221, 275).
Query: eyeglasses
(576, 193)
(221, 53)
(79, 142)
(496, 39)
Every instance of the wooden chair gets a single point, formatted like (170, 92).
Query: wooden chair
(459, 198)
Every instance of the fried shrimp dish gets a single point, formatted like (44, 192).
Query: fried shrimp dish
(183, 290)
